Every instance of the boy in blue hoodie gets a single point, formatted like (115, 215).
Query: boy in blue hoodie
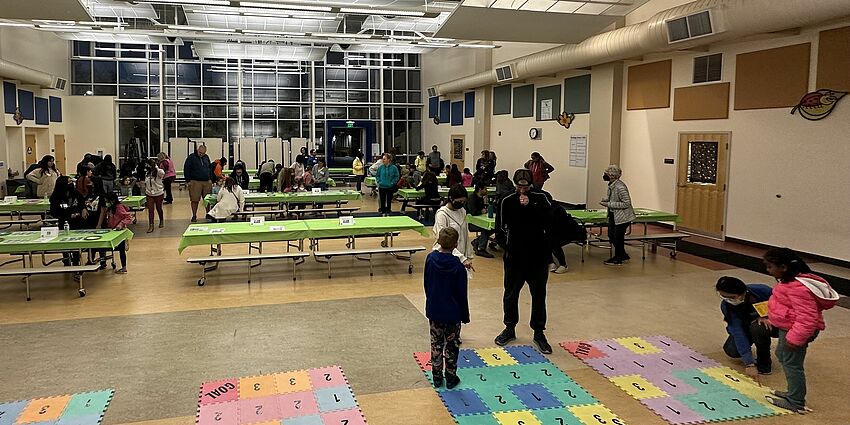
(446, 306)
(744, 325)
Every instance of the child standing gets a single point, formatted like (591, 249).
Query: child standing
(466, 177)
(446, 306)
(114, 215)
(796, 310)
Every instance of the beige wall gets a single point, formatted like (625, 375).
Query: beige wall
(771, 153)
(91, 122)
(39, 50)
(652, 7)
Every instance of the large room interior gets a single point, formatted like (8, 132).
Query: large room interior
(718, 125)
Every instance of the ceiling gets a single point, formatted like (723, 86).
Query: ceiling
(307, 29)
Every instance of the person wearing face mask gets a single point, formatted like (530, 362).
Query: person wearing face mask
(620, 214)
(521, 229)
(744, 325)
(453, 214)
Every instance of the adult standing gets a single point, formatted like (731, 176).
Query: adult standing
(620, 214)
(421, 162)
(387, 177)
(167, 165)
(154, 192)
(196, 170)
(358, 169)
(44, 176)
(481, 168)
(744, 324)
(267, 176)
(434, 162)
(83, 165)
(521, 231)
(539, 168)
(106, 172)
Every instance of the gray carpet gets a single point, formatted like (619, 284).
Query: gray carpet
(156, 362)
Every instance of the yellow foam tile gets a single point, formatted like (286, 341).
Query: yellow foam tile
(744, 385)
(638, 345)
(293, 382)
(495, 357)
(593, 414)
(257, 386)
(43, 409)
(524, 417)
(637, 386)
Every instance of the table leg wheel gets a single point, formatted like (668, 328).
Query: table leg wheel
(383, 244)
(409, 269)
(82, 293)
(113, 265)
(134, 221)
(672, 254)
(201, 281)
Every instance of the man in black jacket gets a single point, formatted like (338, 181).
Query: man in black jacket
(521, 230)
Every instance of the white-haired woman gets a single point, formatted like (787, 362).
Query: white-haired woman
(620, 214)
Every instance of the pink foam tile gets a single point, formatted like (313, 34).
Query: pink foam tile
(349, 417)
(219, 391)
(260, 409)
(583, 349)
(225, 413)
(424, 360)
(673, 410)
(297, 404)
(331, 376)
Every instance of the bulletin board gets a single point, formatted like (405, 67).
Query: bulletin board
(834, 59)
(649, 85)
(523, 101)
(548, 102)
(774, 78)
(703, 102)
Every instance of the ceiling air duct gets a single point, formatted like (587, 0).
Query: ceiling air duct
(13, 71)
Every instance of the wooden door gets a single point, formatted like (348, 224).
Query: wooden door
(31, 154)
(458, 142)
(702, 179)
(59, 152)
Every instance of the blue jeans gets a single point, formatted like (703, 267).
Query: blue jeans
(792, 364)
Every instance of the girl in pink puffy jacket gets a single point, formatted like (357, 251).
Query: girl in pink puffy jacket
(796, 309)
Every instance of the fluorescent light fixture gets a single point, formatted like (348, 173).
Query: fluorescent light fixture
(284, 6)
(204, 29)
(15, 24)
(341, 35)
(198, 2)
(284, 33)
(102, 24)
(381, 12)
(53, 22)
(64, 27)
(477, 46)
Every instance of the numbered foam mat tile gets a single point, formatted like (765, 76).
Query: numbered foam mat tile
(88, 404)
(298, 404)
(259, 409)
(495, 356)
(673, 410)
(9, 411)
(423, 359)
(724, 406)
(43, 410)
(332, 376)
(499, 398)
(524, 354)
(467, 358)
(523, 417)
(557, 417)
(463, 402)
(257, 386)
(335, 398)
(637, 386)
(583, 350)
(303, 420)
(638, 345)
(536, 396)
(226, 413)
(79, 420)
(344, 417)
(570, 393)
(293, 382)
(487, 419)
(595, 414)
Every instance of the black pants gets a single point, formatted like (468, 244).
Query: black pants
(617, 237)
(385, 200)
(122, 254)
(359, 181)
(517, 273)
(166, 183)
(758, 336)
(266, 182)
(558, 253)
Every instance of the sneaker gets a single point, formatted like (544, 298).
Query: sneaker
(505, 337)
(484, 254)
(562, 269)
(194, 219)
(785, 404)
(553, 267)
(438, 381)
(542, 343)
(161, 225)
(494, 246)
(122, 270)
(451, 381)
(612, 262)
(765, 372)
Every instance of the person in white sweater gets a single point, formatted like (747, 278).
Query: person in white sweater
(453, 215)
(154, 191)
(44, 176)
(230, 199)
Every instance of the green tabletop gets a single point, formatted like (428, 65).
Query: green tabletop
(254, 184)
(278, 197)
(644, 215)
(28, 241)
(330, 227)
(482, 221)
(133, 201)
(26, 205)
(444, 191)
(251, 172)
(339, 170)
(242, 232)
(371, 182)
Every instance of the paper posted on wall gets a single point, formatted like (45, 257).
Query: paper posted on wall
(578, 151)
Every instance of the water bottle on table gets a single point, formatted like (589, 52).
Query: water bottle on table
(67, 228)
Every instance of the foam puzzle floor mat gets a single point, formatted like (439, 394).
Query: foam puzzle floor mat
(516, 385)
(304, 397)
(74, 409)
(677, 383)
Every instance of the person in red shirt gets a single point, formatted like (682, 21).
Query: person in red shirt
(540, 170)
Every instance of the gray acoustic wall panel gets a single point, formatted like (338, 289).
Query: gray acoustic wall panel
(502, 100)
(552, 93)
(577, 95)
(524, 101)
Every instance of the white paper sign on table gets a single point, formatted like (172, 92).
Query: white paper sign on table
(48, 233)
(317, 190)
(10, 199)
(258, 221)
(276, 228)
(346, 220)
(217, 230)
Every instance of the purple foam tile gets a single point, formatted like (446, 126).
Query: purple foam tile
(609, 367)
(666, 382)
(673, 410)
(691, 361)
(612, 348)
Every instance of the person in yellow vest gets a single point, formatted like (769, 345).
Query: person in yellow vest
(358, 169)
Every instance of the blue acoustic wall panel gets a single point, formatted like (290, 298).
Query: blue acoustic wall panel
(457, 113)
(433, 107)
(10, 99)
(42, 111)
(25, 102)
(55, 109)
(469, 103)
(445, 111)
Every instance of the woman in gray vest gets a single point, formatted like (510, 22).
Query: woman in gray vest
(620, 214)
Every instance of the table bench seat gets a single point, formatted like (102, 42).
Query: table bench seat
(203, 261)
(666, 240)
(37, 271)
(393, 250)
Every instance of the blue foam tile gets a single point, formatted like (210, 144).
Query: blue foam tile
(525, 354)
(10, 411)
(469, 358)
(304, 420)
(535, 396)
(335, 398)
(464, 402)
